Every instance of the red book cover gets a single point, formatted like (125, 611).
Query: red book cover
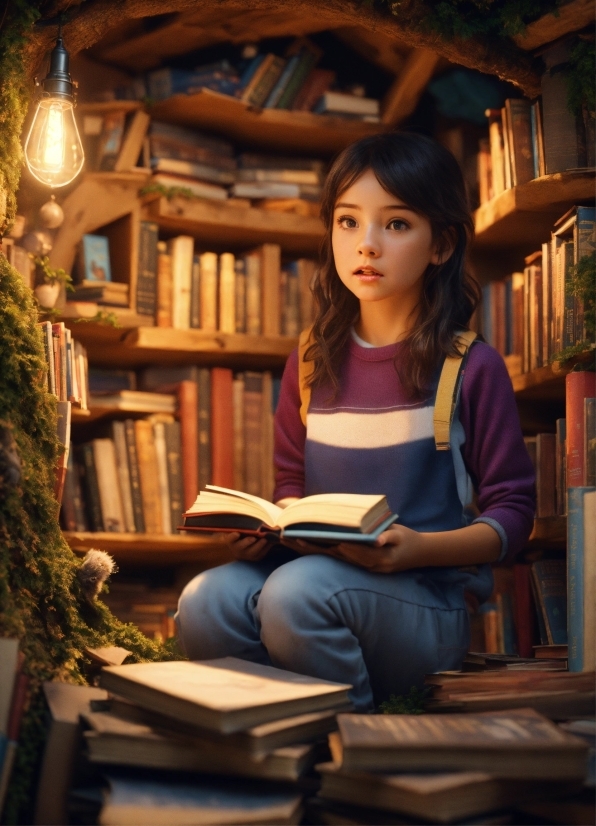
(188, 402)
(524, 610)
(222, 427)
(578, 386)
(545, 475)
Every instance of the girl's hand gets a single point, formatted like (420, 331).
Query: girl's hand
(248, 548)
(397, 549)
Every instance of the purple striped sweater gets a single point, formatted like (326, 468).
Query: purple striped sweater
(373, 439)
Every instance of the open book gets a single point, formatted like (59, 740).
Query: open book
(331, 517)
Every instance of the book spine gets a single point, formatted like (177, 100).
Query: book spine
(135, 476)
(257, 77)
(517, 311)
(267, 82)
(560, 466)
(90, 486)
(195, 293)
(204, 425)
(546, 316)
(109, 488)
(590, 441)
(174, 462)
(552, 593)
(222, 427)
(253, 432)
(585, 244)
(568, 338)
(506, 149)
(522, 161)
(146, 297)
(497, 162)
(227, 293)
(182, 251)
(267, 470)
(578, 386)
(68, 511)
(149, 474)
(238, 399)
(283, 80)
(589, 571)
(253, 293)
(164, 287)
(270, 270)
(559, 126)
(306, 62)
(189, 416)
(524, 618)
(159, 436)
(119, 438)
(546, 476)
(240, 296)
(538, 609)
(315, 85)
(208, 291)
(575, 577)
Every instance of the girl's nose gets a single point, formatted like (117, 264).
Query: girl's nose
(367, 245)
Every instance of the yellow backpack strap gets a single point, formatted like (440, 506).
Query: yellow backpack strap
(305, 369)
(447, 391)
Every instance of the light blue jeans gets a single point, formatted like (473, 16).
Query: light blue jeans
(315, 615)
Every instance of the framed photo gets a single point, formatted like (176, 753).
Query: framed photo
(95, 258)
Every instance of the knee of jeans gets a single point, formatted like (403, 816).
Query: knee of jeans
(291, 596)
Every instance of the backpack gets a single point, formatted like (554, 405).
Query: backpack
(447, 390)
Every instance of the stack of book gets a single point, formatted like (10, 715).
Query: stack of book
(220, 741)
(232, 294)
(534, 315)
(444, 769)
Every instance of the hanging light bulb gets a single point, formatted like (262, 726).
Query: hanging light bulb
(53, 149)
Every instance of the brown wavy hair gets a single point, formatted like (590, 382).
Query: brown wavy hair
(425, 176)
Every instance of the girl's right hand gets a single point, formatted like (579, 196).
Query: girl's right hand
(247, 548)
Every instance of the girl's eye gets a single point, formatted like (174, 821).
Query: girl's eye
(346, 222)
(397, 224)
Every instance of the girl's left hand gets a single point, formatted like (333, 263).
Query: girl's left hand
(397, 549)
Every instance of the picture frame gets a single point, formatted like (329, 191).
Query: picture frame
(95, 258)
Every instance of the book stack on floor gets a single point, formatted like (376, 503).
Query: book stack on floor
(219, 741)
(230, 293)
(534, 315)
(445, 769)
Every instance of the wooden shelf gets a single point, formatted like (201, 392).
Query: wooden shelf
(569, 17)
(152, 549)
(549, 532)
(276, 129)
(548, 382)
(524, 216)
(122, 348)
(220, 225)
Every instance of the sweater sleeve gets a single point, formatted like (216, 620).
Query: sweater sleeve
(494, 451)
(290, 435)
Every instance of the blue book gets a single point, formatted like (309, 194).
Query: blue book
(250, 70)
(551, 589)
(575, 575)
(281, 84)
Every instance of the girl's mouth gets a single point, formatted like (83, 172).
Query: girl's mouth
(367, 274)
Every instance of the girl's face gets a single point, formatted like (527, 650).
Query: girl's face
(381, 246)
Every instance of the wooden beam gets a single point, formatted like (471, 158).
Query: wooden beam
(90, 20)
(407, 88)
(568, 18)
(385, 52)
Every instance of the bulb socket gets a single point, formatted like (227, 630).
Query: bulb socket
(58, 82)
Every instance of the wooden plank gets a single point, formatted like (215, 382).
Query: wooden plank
(231, 227)
(149, 549)
(236, 345)
(568, 18)
(550, 531)
(524, 215)
(406, 90)
(276, 129)
(385, 52)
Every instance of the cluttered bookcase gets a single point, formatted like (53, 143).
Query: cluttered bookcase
(192, 238)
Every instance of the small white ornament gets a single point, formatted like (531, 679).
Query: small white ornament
(38, 242)
(51, 214)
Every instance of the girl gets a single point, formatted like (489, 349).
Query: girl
(391, 295)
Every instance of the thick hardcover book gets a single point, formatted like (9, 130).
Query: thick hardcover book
(281, 83)
(545, 476)
(149, 475)
(520, 140)
(270, 271)
(225, 695)
(208, 291)
(159, 436)
(497, 163)
(551, 588)
(146, 298)
(268, 81)
(331, 517)
(189, 418)
(163, 316)
(561, 150)
(195, 293)
(308, 55)
(104, 457)
(204, 424)
(315, 85)
(72, 514)
(222, 427)
(227, 293)
(267, 446)
(578, 386)
(240, 295)
(253, 432)
(181, 249)
(174, 464)
(192, 169)
(135, 476)
(90, 485)
(257, 77)
(516, 745)
(119, 437)
(581, 572)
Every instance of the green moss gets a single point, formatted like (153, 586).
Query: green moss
(412, 703)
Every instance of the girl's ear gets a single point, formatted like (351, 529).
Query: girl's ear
(443, 248)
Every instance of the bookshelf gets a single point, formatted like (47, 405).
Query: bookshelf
(151, 549)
